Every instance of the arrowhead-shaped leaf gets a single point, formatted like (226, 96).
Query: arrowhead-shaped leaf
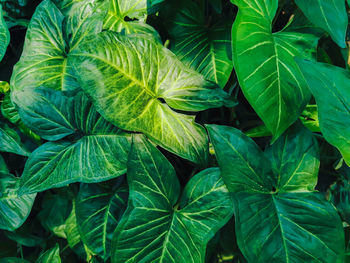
(99, 208)
(328, 15)
(129, 78)
(291, 223)
(158, 225)
(14, 209)
(94, 151)
(205, 48)
(50, 37)
(264, 62)
(330, 86)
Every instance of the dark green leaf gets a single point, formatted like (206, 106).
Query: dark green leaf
(203, 46)
(11, 142)
(329, 15)
(158, 225)
(290, 223)
(330, 86)
(98, 211)
(4, 35)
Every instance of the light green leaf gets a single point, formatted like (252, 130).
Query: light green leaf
(264, 62)
(158, 225)
(202, 46)
(49, 39)
(14, 209)
(4, 87)
(295, 159)
(328, 15)
(4, 35)
(99, 208)
(11, 142)
(50, 256)
(94, 151)
(128, 79)
(330, 86)
(291, 223)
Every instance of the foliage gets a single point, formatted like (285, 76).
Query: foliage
(174, 131)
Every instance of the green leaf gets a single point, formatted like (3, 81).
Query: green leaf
(128, 77)
(4, 35)
(234, 149)
(50, 256)
(264, 62)
(158, 225)
(24, 238)
(99, 208)
(288, 227)
(50, 38)
(14, 209)
(204, 47)
(3, 166)
(14, 260)
(295, 159)
(9, 112)
(54, 213)
(94, 151)
(291, 223)
(328, 15)
(11, 142)
(330, 86)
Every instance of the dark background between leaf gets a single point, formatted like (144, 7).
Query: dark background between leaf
(34, 236)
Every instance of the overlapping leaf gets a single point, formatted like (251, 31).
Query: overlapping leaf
(287, 221)
(51, 36)
(99, 208)
(94, 151)
(329, 15)
(128, 79)
(331, 88)
(52, 255)
(14, 209)
(158, 225)
(265, 67)
(203, 46)
(11, 142)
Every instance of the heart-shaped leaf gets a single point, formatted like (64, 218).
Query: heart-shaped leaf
(50, 37)
(264, 62)
(289, 223)
(158, 225)
(201, 44)
(131, 78)
(14, 209)
(330, 86)
(94, 151)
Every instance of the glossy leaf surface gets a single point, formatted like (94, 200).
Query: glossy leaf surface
(205, 48)
(50, 256)
(128, 79)
(14, 209)
(4, 35)
(271, 81)
(289, 223)
(328, 15)
(331, 89)
(157, 221)
(99, 208)
(94, 151)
